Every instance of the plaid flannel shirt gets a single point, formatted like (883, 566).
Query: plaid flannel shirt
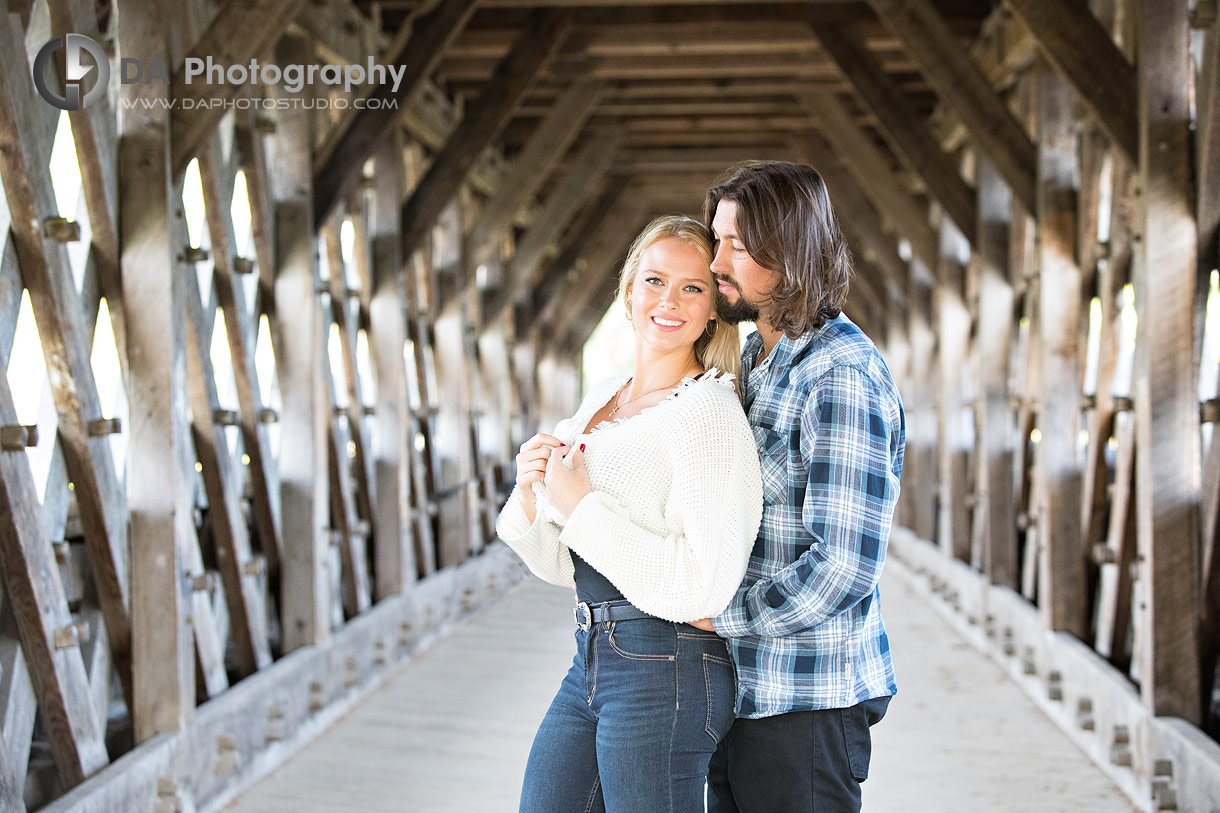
(805, 627)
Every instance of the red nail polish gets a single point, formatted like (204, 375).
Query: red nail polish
(582, 447)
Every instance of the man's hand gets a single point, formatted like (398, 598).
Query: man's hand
(703, 624)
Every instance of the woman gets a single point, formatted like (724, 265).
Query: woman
(649, 498)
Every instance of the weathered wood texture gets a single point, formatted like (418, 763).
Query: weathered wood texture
(961, 85)
(1166, 398)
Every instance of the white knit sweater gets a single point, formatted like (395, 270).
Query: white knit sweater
(675, 506)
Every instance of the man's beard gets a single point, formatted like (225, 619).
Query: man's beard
(734, 313)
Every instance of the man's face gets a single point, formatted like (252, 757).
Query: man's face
(744, 285)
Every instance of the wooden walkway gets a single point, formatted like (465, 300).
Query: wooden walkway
(451, 732)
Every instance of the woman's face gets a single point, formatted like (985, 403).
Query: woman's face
(671, 295)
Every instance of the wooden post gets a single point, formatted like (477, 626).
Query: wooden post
(305, 590)
(997, 520)
(159, 488)
(919, 470)
(953, 331)
(394, 559)
(1065, 595)
(1166, 401)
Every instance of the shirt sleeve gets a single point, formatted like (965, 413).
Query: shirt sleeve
(537, 542)
(846, 446)
(690, 569)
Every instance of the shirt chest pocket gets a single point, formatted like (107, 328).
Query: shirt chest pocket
(776, 480)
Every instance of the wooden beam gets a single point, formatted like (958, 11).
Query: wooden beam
(996, 515)
(243, 595)
(49, 637)
(1166, 400)
(587, 167)
(533, 165)
(617, 69)
(871, 168)
(418, 48)
(47, 274)
(952, 321)
(297, 321)
(160, 489)
(572, 245)
(1207, 162)
(394, 555)
(964, 89)
(482, 122)
(231, 296)
(607, 249)
(907, 131)
(1083, 51)
(1064, 592)
(239, 33)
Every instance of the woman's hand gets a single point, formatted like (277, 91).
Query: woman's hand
(565, 487)
(703, 624)
(531, 468)
(531, 461)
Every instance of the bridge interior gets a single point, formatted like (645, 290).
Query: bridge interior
(269, 351)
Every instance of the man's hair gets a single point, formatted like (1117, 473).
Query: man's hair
(787, 225)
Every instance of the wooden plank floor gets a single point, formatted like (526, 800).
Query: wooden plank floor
(451, 732)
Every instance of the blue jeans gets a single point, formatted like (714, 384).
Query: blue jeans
(635, 723)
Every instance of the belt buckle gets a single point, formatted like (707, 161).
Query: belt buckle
(583, 614)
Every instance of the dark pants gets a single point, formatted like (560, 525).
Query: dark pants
(800, 762)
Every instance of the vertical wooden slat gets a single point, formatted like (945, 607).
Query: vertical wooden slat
(159, 489)
(997, 521)
(1065, 597)
(1166, 400)
(921, 436)
(953, 331)
(394, 555)
(304, 591)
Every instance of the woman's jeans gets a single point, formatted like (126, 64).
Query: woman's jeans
(635, 722)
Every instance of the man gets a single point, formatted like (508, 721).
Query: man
(805, 630)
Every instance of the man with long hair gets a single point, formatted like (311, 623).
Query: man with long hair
(804, 628)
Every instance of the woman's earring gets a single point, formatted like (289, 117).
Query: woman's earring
(709, 328)
(628, 310)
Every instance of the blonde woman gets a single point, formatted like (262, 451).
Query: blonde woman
(649, 499)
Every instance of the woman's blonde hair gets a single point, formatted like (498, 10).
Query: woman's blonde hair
(722, 349)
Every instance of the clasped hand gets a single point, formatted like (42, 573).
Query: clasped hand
(541, 459)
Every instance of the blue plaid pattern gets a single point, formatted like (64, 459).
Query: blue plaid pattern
(805, 626)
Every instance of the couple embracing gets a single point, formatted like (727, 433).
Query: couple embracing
(724, 519)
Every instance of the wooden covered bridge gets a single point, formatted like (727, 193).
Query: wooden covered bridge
(270, 346)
